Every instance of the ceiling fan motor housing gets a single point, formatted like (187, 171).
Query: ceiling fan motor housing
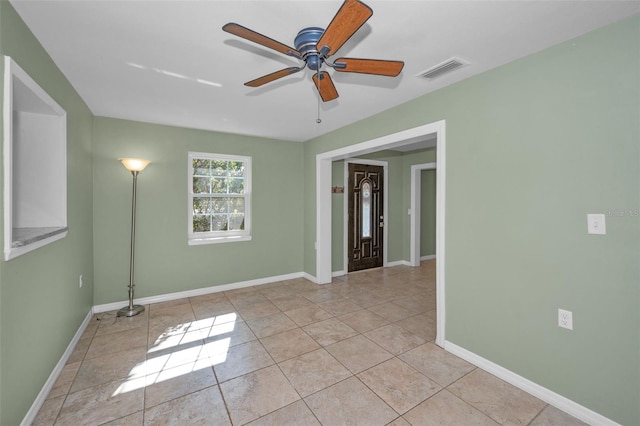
(306, 42)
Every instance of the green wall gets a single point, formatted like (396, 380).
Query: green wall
(164, 261)
(41, 304)
(532, 147)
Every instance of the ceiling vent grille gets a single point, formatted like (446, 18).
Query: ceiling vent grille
(442, 68)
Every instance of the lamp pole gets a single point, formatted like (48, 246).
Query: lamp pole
(135, 166)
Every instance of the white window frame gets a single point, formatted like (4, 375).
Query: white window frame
(198, 238)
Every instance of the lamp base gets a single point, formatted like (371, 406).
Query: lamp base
(126, 312)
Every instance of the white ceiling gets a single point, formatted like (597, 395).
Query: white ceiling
(169, 62)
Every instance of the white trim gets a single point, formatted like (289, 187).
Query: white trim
(565, 404)
(310, 277)
(198, 292)
(323, 203)
(429, 257)
(338, 273)
(414, 219)
(53, 377)
(385, 208)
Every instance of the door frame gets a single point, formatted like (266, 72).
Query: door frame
(416, 198)
(385, 183)
(323, 203)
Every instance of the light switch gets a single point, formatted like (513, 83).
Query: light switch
(596, 224)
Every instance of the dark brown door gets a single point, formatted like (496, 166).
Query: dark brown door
(366, 216)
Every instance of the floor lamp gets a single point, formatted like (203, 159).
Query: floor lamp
(135, 166)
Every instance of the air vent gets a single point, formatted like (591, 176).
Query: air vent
(443, 68)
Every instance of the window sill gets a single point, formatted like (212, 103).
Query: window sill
(217, 240)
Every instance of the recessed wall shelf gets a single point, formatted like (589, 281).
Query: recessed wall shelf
(35, 164)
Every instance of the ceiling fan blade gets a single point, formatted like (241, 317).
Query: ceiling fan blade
(255, 37)
(351, 16)
(369, 66)
(325, 86)
(271, 77)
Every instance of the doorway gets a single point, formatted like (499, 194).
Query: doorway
(323, 203)
(366, 215)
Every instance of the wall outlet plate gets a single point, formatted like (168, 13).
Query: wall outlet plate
(565, 319)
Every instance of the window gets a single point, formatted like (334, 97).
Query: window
(219, 198)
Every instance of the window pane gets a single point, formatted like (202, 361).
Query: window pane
(236, 222)
(219, 222)
(201, 223)
(236, 205)
(219, 167)
(366, 210)
(219, 185)
(201, 167)
(201, 185)
(201, 206)
(236, 185)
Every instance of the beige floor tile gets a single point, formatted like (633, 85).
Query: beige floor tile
(307, 315)
(437, 364)
(49, 411)
(273, 324)
(103, 403)
(363, 320)
(203, 310)
(394, 339)
(398, 384)
(358, 353)
(274, 291)
(339, 307)
(117, 342)
(350, 403)
(178, 381)
(296, 414)
(226, 335)
(313, 371)
(257, 310)
(80, 350)
(501, 401)
(204, 407)
(240, 360)
(289, 302)
(399, 422)
(65, 380)
(551, 416)
(445, 408)
(107, 368)
(422, 325)
(246, 299)
(329, 331)
(418, 303)
(256, 394)
(114, 324)
(391, 311)
(366, 299)
(321, 295)
(215, 297)
(289, 344)
(135, 419)
(170, 341)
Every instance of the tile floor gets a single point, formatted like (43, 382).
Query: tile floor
(358, 351)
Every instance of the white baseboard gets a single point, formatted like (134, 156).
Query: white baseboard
(398, 263)
(198, 292)
(338, 273)
(48, 385)
(565, 404)
(429, 257)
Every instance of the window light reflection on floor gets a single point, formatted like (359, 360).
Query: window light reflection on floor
(183, 349)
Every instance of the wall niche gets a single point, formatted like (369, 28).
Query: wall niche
(35, 164)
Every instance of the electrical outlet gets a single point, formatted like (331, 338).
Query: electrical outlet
(565, 319)
(80, 281)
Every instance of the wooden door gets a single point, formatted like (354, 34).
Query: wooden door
(366, 216)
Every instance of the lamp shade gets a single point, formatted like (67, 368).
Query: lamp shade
(134, 164)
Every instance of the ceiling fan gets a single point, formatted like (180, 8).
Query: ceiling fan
(315, 45)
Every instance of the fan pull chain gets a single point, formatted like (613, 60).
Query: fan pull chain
(318, 120)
